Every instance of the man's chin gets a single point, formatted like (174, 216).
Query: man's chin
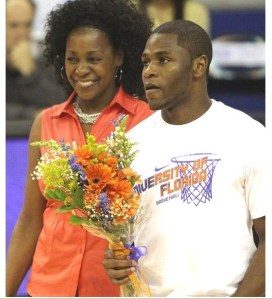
(154, 105)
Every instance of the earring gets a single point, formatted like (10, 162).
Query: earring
(118, 75)
(62, 73)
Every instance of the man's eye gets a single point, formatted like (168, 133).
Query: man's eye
(145, 62)
(13, 25)
(164, 60)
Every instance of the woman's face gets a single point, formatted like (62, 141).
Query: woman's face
(90, 64)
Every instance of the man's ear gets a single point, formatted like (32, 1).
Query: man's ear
(200, 65)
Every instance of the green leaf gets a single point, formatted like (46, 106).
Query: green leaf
(50, 193)
(60, 194)
(64, 209)
(78, 198)
(76, 220)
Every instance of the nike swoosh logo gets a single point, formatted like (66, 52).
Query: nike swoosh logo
(160, 168)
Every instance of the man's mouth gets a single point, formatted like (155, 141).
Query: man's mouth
(149, 87)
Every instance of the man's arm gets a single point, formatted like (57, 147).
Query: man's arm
(253, 284)
(118, 267)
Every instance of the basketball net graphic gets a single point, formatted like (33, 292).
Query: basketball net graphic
(197, 172)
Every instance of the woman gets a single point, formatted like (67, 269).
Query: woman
(95, 46)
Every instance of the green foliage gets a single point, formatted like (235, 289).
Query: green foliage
(78, 198)
(64, 209)
(51, 144)
(55, 194)
(76, 220)
(120, 145)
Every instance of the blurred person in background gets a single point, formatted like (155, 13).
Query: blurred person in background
(95, 46)
(161, 11)
(30, 84)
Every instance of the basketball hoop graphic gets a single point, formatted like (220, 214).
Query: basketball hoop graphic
(196, 176)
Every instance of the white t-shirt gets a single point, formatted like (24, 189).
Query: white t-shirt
(202, 184)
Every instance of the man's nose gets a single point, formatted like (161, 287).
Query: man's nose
(150, 70)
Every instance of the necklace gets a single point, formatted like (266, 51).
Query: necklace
(84, 118)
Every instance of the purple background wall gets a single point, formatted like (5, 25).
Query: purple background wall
(16, 167)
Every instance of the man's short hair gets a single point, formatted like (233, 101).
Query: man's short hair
(190, 36)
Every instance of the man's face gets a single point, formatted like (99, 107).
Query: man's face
(19, 17)
(167, 72)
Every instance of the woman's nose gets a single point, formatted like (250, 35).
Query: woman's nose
(82, 68)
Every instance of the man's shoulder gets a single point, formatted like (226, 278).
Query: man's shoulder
(148, 123)
(233, 115)
(236, 125)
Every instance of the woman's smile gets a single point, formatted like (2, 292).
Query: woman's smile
(85, 84)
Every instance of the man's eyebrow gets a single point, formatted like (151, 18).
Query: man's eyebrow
(159, 52)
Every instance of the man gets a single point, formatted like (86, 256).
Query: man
(30, 85)
(204, 169)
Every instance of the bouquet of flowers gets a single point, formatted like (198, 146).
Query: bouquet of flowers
(94, 182)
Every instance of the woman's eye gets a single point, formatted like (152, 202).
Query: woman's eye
(71, 59)
(94, 59)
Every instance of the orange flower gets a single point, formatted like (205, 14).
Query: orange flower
(122, 209)
(111, 161)
(101, 157)
(129, 174)
(83, 155)
(98, 176)
(119, 220)
(133, 205)
(89, 197)
(119, 188)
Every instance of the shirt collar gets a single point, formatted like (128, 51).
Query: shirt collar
(121, 98)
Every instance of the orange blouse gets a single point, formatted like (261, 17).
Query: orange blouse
(68, 259)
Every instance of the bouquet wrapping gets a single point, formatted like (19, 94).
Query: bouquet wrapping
(94, 182)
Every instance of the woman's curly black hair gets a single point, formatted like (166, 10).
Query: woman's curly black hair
(127, 28)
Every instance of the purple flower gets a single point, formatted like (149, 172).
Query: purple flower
(105, 206)
(77, 168)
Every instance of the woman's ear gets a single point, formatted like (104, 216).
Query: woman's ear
(120, 57)
(200, 65)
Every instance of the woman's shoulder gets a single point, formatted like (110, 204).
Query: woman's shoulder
(132, 103)
(52, 110)
(141, 109)
(58, 109)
